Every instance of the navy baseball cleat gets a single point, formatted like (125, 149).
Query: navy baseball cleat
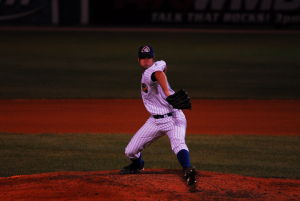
(190, 175)
(133, 168)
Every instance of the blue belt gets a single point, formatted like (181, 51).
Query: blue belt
(160, 116)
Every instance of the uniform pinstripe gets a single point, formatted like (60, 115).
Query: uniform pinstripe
(155, 102)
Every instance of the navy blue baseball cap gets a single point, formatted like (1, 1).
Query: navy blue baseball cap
(145, 51)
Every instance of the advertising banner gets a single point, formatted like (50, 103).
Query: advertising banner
(25, 12)
(196, 12)
(281, 13)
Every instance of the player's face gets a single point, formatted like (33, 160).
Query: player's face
(146, 62)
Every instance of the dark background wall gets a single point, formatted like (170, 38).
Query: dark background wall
(69, 13)
(191, 13)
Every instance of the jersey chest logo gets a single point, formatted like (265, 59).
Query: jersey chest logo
(144, 88)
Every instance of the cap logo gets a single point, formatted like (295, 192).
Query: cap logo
(146, 49)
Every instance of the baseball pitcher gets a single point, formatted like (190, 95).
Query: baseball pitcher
(166, 116)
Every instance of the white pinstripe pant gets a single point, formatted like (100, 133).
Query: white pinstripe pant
(173, 126)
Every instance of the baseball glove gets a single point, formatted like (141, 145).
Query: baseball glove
(180, 100)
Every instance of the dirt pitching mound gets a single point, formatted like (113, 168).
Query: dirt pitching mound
(152, 184)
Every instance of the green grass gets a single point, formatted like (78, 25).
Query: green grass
(259, 156)
(103, 64)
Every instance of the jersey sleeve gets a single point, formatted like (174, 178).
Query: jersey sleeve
(160, 65)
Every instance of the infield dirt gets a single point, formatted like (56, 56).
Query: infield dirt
(154, 184)
(237, 117)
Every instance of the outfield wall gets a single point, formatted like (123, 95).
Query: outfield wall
(174, 13)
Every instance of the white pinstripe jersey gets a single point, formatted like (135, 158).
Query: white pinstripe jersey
(153, 95)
